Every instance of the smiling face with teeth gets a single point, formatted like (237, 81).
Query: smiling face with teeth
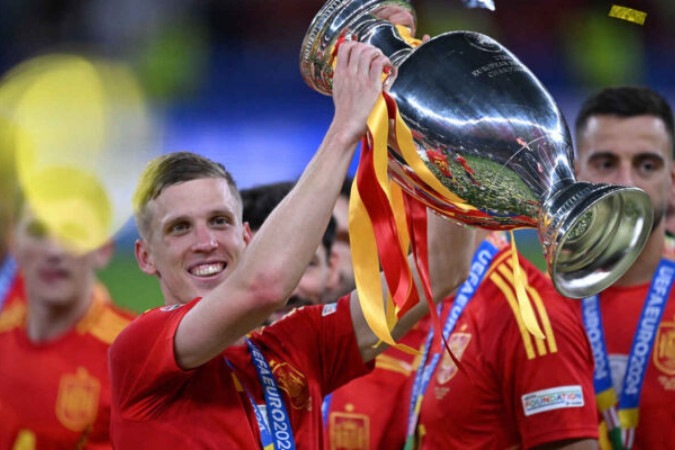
(197, 238)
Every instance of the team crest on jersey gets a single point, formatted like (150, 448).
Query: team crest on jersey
(349, 431)
(664, 348)
(77, 400)
(293, 382)
(447, 368)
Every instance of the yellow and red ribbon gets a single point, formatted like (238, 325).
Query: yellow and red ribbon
(387, 224)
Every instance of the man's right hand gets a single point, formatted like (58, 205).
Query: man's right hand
(357, 84)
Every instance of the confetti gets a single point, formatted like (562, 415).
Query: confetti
(631, 15)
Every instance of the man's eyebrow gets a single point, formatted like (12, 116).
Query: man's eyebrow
(221, 211)
(601, 155)
(170, 220)
(609, 154)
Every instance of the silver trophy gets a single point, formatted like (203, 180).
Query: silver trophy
(491, 133)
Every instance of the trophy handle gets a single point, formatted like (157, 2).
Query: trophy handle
(351, 18)
(591, 235)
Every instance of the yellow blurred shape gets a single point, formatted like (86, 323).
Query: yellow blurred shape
(78, 129)
(73, 205)
(628, 14)
(64, 109)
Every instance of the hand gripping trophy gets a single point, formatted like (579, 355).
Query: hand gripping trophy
(495, 139)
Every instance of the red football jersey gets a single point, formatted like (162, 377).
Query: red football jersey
(56, 394)
(371, 412)
(156, 404)
(516, 391)
(620, 308)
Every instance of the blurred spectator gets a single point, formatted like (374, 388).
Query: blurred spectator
(56, 330)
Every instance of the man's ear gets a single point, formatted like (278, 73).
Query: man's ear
(104, 254)
(145, 261)
(248, 234)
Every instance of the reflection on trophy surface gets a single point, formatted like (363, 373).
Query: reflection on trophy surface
(491, 134)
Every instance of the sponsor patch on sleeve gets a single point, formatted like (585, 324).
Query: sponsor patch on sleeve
(329, 309)
(554, 398)
(170, 307)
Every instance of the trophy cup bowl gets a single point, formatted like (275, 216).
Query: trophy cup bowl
(491, 133)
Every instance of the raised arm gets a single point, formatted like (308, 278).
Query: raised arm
(272, 264)
(451, 248)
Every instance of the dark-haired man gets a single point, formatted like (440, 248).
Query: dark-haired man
(321, 273)
(624, 136)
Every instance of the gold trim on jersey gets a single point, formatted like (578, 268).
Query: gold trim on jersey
(13, 316)
(237, 384)
(392, 364)
(25, 440)
(101, 321)
(501, 275)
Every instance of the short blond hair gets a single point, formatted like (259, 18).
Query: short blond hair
(168, 170)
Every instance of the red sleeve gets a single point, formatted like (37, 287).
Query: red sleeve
(550, 383)
(142, 360)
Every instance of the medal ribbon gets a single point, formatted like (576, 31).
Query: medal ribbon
(482, 259)
(622, 421)
(274, 423)
(325, 408)
(277, 415)
(265, 434)
(7, 274)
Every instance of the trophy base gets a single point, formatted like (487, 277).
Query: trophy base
(595, 234)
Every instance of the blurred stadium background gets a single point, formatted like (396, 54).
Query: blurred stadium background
(222, 75)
